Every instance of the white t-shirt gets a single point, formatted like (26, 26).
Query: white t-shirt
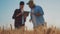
(22, 17)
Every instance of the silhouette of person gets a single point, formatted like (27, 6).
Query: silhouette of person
(36, 14)
(18, 16)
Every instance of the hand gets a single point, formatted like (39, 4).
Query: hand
(30, 20)
(38, 14)
(18, 15)
(31, 14)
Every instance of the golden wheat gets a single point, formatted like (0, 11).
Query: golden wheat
(38, 30)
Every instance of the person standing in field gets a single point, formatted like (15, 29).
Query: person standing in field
(36, 14)
(18, 16)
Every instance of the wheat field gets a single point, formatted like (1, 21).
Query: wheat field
(37, 30)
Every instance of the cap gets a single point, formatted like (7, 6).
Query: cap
(22, 3)
(30, 2)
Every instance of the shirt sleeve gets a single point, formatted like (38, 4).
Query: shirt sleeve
(40, 10)
(14, 15)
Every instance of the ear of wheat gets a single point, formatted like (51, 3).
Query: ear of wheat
(38, 30)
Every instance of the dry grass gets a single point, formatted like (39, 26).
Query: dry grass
(38, 30)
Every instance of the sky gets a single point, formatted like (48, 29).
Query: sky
(51, 10)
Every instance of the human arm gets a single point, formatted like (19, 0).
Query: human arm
(39, 12)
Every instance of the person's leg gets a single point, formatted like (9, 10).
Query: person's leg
(16, 26)
(38, 25)
(34, 25)
(22, 29)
